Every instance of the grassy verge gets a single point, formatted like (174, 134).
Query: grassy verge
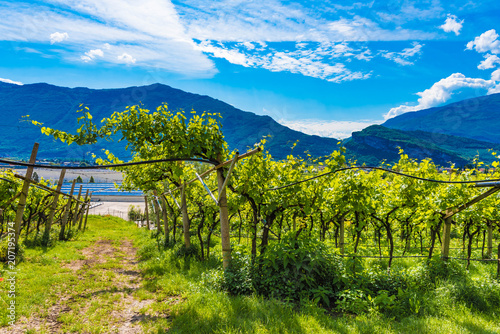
(50, 289)
(179, 294)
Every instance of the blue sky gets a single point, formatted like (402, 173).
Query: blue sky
(322, 67)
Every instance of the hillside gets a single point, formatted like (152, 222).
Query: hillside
(56, 106)
(476, 118)
(377, 143)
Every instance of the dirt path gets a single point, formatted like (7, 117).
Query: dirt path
(102, 297)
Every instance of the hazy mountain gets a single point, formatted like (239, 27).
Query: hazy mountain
(376, 143)
(476, 118)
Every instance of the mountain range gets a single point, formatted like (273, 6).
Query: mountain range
(56, 107)
(455, 133)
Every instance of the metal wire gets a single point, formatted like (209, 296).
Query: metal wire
(25, 164)
(382, 169)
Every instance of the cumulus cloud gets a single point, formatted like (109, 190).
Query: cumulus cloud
(11, 82)
(494, 89)
(489, 62)
(126, 58)
(486, 42)
(495, 76)
(441, 92)
(58, 37)
(92, 54)
(404, 57)
(452, 24)
(331, 129)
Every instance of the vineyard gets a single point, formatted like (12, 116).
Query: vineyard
(348, 238)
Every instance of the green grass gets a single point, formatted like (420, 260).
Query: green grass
(182, 300)
(44, 276)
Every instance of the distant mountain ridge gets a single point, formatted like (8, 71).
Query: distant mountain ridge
(476, 118)
(55, 106)
(376, 143)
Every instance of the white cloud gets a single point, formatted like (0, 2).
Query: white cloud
(92, 54)
(11, 82)
(312, 62)
(126, 58)
(489, 62)
(495, 75)
(157, 42)
(331, 129)
(486, 42)
(403, 57)
(401, 12)
(494, 89)
(274, 21)
(58, 37)
(452, 24)
(441, 92)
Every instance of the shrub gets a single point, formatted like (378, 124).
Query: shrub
(299, 268)
(237, 278)
(134, 213)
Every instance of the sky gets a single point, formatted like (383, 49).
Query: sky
(322, 67)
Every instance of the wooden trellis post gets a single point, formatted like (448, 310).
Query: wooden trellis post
(24, 194)
(87, 214)
(224, 213)
(498, 262)
(156, 209)
(185, 218)
(84, 206)
(77, 209)
(147, 212)
(489, 252)
(53, 208)
(341, 236)
(165, 217)
(445, 249)
(67, 211)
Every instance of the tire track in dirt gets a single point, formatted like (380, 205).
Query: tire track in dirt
(116, 279)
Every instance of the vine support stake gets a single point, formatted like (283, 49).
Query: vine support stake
(67, 211)
(489, 252)
(77, 208)
(224, 220)
(147, 212)
(341, 236)
(156, 209)
(445, 249)
(498, 262)
(185, 218)
(165, 217)
(54, 203)
(87, 213)
(84, 205)
(24, 194)
(231, 167)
